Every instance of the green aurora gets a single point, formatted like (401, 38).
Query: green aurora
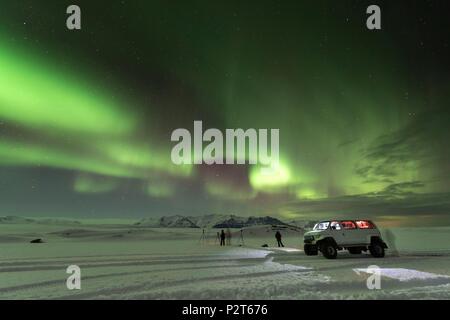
(86, 116)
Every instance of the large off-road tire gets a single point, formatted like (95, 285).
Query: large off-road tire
(355, 250)
(329, 250)
(310, 250)
(377, 249)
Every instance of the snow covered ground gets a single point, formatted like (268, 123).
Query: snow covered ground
(120, 261)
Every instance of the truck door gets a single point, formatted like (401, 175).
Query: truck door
(337, 232)
(351, 233)
(365, 230)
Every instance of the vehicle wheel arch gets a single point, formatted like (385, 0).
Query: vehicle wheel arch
(375, 239)
(327, 239)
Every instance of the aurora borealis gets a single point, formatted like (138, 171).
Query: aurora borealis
(86, 116)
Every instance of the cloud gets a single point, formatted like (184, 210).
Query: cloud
(377, 206)
(417, 150)
(403, 187)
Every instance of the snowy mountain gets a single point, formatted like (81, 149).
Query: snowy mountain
(304, 224)
(48, 221)
(11, 219)
(241, 222)
(208, 221)
(167, 222)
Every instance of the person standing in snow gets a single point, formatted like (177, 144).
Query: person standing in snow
(228, 237)
(278, 237)
(222, 238)
(217, 237)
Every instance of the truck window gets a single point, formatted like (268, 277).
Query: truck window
(348, 225)
(335, 225)
(364, 224)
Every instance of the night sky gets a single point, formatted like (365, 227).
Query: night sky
(86, 116)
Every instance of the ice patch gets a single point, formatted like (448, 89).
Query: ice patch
(285, 249)
(403, 274)
(246, 253)
(283, 266)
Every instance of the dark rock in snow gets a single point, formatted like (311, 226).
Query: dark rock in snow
(37, 241)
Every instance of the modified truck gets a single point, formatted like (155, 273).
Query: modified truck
(355, 236)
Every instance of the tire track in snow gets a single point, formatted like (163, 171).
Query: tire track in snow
(118, 274)
(61, 265)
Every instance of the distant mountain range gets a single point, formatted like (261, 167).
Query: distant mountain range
(178, 221)
(208, 221)
(22, 220)
(167, 222)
